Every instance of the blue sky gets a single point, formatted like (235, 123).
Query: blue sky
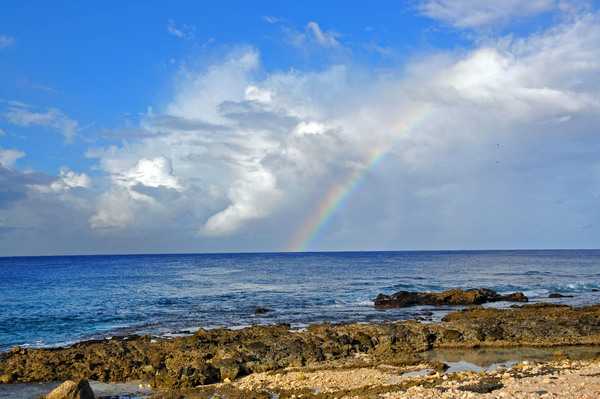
(230, 123)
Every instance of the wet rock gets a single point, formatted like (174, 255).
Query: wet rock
(539, 306)
(559, 295)
(261, 310)
(451, 297)
(71, 390)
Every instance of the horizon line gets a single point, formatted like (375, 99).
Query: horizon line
(298, 252)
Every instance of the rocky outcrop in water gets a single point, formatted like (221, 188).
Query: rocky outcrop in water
(211, 356)
(559, 295)
(477, 296)
(72, 390)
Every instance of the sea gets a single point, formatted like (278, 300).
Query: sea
(54, 301)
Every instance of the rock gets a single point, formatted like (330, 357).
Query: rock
(482, 386)
(260, 310)
(559, 295)
(6, 378)
(451, 297)
(228, 369)
(71, 390)
(211, 356)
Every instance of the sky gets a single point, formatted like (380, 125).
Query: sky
(165, 127)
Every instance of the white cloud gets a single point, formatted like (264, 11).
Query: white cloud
(8, 157)
(477, 13)
(246, 147)
(113, 212)
(252, 196)
(323, 38)
(254, 93)
(65, 181)
(310, 127)
(23, 115)
(271, 19)
(200, 95)
(68, 180)
(313, 36)
(156, 172)
(181, 32)
(133, 188)
(6, 41)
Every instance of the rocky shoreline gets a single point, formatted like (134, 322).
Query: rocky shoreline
(223, 356)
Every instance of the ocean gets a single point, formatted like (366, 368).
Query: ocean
(51, 301)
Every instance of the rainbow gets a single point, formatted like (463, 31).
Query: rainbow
(338, 194)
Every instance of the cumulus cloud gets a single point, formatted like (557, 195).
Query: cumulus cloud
(156, 172)
(53, 118)
(251, 196)
(114, 210)
(65, 181)
(142, 182)
(6, 41)
(476, 14)
(248, 146)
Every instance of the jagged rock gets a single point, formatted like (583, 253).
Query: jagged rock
(228, 369)
(71, 390)
(211, 356)
(451, 297)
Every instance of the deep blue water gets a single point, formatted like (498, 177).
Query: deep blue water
(48, 301)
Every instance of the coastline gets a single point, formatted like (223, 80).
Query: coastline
(231, 359)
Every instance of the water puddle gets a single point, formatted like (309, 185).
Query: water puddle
(490, 359)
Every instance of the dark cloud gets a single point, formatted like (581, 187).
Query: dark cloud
(14, 185)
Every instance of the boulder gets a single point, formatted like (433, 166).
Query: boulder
(451, 297)
(71, 390)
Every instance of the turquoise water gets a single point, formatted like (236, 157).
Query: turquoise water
(46, 301)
